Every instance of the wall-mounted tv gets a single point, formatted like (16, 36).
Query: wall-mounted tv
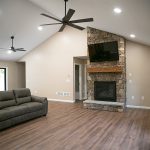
(107, 51)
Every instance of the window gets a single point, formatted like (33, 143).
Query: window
(2, 79)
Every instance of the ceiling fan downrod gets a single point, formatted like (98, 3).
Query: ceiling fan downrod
(12, 38)
(66, 7)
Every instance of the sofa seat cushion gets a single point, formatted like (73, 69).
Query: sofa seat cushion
(12, 111)
(7, 99)
(19, 110)
(32, 106)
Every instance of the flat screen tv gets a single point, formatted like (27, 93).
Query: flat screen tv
(107, 51)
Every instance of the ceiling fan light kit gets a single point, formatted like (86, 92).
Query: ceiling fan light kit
(66, 19)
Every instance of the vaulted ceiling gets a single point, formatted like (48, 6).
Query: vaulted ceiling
(22, 17)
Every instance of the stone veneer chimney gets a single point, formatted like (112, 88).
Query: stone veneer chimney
(98, 36)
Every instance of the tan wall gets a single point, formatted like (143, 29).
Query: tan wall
(138, 74)
(49, 67)
(16, 74)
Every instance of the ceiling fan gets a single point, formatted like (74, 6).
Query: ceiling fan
(12, 48)
(66, 20)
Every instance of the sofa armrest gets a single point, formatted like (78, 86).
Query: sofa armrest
(42, 100)
(38, 99)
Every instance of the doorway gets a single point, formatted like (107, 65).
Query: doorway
(2, 79)
(80, 83)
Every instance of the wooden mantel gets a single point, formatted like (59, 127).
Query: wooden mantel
(114, 69)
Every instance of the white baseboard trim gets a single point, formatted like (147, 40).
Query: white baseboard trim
(139, 107)
(61, 100)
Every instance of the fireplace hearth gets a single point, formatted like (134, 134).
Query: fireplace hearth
(105, 91)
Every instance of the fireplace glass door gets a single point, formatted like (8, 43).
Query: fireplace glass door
(105, 91)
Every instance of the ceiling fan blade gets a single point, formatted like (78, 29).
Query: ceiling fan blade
(49, 24)
(69, 15)
(62, 28)
(75, 26)
(82, 20)
(4, 48)
(19, 49)
(51, 17)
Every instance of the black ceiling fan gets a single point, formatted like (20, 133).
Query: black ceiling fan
(12, 48)
(66, 20)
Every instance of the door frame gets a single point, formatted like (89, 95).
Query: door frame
(85, 82)
(6, 77)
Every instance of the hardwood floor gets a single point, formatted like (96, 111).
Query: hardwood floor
(70, 127)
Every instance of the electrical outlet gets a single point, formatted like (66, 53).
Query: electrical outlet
(65, 93)
(57, 93)
(61, 94)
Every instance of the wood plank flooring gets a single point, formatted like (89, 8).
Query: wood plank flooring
(71, 127)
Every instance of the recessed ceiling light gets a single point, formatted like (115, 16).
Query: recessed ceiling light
(9, 51)
(40, 28)
(132, 35)
(117, 10)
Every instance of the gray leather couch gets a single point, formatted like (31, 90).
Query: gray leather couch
(17, 106)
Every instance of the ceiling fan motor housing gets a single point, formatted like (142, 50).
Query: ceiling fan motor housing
(12, 37)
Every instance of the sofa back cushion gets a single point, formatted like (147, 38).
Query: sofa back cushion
(22, 95)
(7, 99)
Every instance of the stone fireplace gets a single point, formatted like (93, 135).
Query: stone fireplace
(107, 72)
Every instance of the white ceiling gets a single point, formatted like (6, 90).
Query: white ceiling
(21, 18)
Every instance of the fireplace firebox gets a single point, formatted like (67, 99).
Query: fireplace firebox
(105, 91)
